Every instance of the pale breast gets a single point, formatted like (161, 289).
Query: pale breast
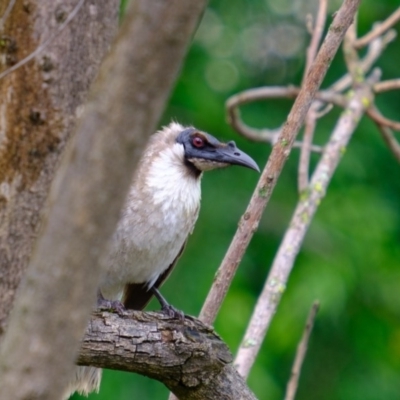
(155, 224)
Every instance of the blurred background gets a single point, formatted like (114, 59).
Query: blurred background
(350, 259)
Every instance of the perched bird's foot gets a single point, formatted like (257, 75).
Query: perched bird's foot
(172, 312)
(114, 305)
(166, 308)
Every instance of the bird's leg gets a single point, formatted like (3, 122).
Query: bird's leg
(166, 308)
(114, 305)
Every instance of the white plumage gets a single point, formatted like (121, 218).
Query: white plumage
(161, 210)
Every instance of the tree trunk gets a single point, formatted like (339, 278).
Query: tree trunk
(53, 304)
(39, 102)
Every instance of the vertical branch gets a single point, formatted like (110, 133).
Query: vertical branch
(351, 56)
(310, 122)
(317, 32)
(301, 353)
(280, 152)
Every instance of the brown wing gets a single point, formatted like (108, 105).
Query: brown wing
(137, 295)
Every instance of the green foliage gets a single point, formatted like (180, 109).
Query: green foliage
(350, 259)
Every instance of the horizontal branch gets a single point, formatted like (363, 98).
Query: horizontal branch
(385, 86)
(186, 356)
(273, 92)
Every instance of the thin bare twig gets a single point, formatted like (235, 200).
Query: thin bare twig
(275, 92)
(263, 93)
(310, 122)
(385, 86)
(47, 41)
(6, 14)
(280, 152)
(390, 140)
(317, 32)
(351, 56)
(324, 111)
(378, 118)
(375, 49)
(378, 30)
(305, 210)
(301, 352)
(306, 147)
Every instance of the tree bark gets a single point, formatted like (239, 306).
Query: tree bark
(39, 102)
(54, 301)
(187, 356)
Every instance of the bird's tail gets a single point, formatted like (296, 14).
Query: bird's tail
(85, 381)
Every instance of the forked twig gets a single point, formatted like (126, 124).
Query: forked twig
(280, 152)
(375, 49)
(309, 201)
(264, 93)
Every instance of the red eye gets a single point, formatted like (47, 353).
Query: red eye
(198, 142)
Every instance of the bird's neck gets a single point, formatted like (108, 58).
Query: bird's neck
(170, 182)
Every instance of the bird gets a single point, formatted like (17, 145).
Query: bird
(159, 214)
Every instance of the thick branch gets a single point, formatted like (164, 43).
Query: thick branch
(187, 356)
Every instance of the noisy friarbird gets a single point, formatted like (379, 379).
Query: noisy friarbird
(159, 214)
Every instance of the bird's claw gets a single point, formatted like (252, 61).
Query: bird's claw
(172, 312)
(114, 305)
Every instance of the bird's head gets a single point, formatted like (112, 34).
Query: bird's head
(203, 152)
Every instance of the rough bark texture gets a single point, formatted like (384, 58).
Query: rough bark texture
(54, 301)
(37, 114)
(188, 357)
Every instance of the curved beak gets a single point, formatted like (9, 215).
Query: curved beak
(228, 153)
